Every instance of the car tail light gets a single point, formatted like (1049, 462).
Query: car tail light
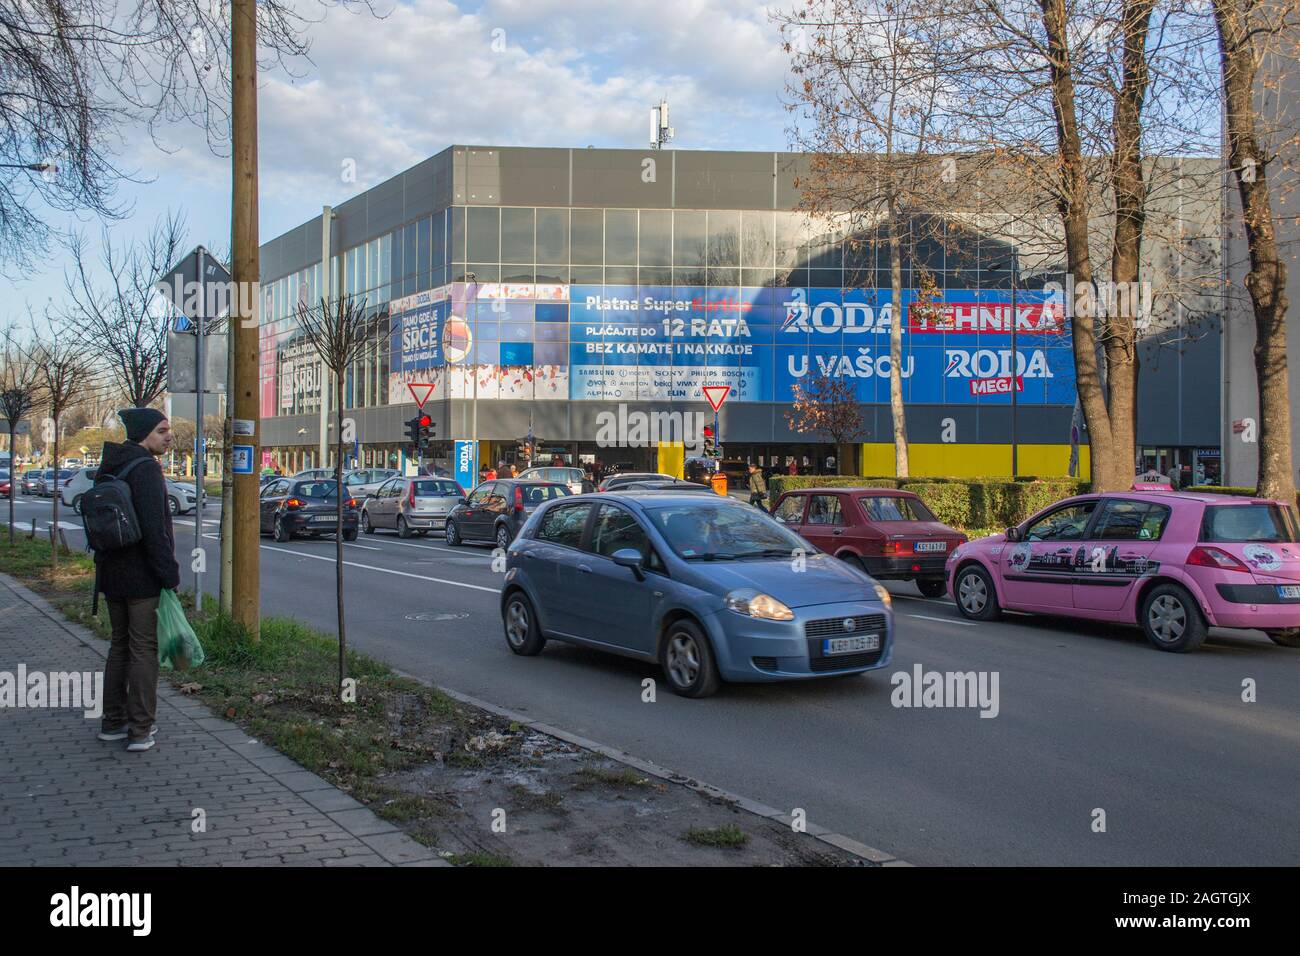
(519, 498)
(352, 503)
(1207, 557)
(410, 498)
(897, 547)
(293, 503)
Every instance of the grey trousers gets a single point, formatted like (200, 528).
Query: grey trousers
(131, 677)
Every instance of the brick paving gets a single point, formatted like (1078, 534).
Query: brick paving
(69, 799)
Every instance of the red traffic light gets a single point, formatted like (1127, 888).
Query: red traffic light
(708, 431)
(425, 421)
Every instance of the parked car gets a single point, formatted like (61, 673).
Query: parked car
(47, 485)
(315, 474)
(411, 505)
(366, 481)
(181, 498)
(30, 482)
(497, 510)
(72, 490)
(289, 506)
(573, 477)
(1173, 563)
(889, 533)
(672, 484)
(6, 483)
(610, 482)
(702, 585)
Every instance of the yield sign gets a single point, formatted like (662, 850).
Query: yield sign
(420, 391)
(716, 394)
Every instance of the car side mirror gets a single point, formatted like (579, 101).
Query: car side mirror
(1013, 533)
(464, 500)
(629, 558)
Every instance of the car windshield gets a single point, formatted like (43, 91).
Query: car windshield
(316, 489)
(429, 488)
(1240, 523)
(536, 494)
(708, 531)
(883, 508)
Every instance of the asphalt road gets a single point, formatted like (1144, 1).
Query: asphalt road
(1091, 718)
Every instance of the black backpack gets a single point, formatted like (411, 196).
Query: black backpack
(108, 514)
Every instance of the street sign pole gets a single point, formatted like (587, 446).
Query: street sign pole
(199, 449)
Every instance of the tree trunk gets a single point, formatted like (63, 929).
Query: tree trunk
(1130, 188)
(896, 410)
(54, 503)
(1072, 203)
(13, 480)
(338, 525)
(1266, 280)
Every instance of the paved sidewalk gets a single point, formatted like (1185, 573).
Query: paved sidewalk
(68, 799)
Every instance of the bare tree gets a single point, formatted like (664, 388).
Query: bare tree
(63, 370)
(828, 407)
(78, 73)
(125, 328)
(340, 330)
(1251, 31)
(18, 390)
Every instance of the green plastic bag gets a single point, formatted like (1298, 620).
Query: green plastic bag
(178, 645)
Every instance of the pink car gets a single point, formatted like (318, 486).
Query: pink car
(1174, 563)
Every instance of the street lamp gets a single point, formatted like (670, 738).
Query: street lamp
(1014, 263)
(34, 167)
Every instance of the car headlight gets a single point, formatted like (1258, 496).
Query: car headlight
(886, 598)
(753, 603)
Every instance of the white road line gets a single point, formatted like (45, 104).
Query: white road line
(371, 567)
(363, 547)
(431, 547)
(910, 597)
(943, 620)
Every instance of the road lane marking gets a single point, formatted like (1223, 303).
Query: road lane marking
(943, 620)
(363, 547)
(432, 547)
(371, 567)
(911, 597)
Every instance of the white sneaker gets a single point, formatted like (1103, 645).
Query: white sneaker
(119, 734)
(137, 746)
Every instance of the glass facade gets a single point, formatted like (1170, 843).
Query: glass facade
(612, 304)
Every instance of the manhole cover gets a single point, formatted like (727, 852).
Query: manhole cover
(436, 616)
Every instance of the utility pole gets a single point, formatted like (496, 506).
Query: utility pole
(245, 576)
(322, 373)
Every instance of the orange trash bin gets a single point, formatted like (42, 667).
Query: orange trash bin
(719, 482)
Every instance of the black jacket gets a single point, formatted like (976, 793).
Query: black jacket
(144, 569)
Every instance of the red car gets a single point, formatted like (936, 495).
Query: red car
(4, 487)
(889, 533)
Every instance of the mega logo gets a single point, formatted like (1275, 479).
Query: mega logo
(830, 318)
(1033, 318)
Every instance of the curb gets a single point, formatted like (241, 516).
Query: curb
(830, 837)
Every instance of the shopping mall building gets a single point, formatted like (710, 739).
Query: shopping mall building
(581, 295)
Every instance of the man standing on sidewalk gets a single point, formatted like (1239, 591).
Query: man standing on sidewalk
(132, 578)
(757, 487)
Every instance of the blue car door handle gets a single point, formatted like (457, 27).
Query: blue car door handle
(584, 569)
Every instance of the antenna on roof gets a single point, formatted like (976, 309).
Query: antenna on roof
(660, 131)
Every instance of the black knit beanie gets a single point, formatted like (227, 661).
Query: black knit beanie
(140, 422)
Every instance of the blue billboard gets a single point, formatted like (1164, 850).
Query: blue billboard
(663, 343)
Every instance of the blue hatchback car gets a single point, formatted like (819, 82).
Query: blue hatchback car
(711, 588)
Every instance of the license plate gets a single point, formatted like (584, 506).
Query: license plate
(324, 519)
(932, 546)
(1288, 590)
(850, 645)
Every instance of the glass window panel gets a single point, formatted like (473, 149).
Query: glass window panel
(724, 238)
(517, 235)
(656, 237)
(485, 271)
(385, 266)
(587, 275)
(517, 272)
(690, 236)
(456, 253)
(690, 275)
(792, 230)
(656, 276)
(547, 273)
(620, 275)
(483, 234)
(439, 239)
(422, 254)
(372, 267)
(588, 236)
(408, 251)
(620, 236)
(553, 235)
(756, 249)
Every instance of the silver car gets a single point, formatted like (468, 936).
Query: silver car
(563, 475)
(411, 505)
(366, 481)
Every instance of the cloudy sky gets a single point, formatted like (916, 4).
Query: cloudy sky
(382, 93)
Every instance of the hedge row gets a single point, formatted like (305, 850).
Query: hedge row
(1233, 490)
(960, 502)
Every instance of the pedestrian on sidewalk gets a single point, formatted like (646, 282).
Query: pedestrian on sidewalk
(757, 487)
(132, 579)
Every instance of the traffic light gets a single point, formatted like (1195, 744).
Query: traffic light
(413, 430)
(427, 431)
(710, 443)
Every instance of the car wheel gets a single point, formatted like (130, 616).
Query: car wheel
(975, 596)
(1171, 620)
(173, 505)
(366, 526)
(932, 587)
(523, 633)
(503, 537)
(350, 534)
(687, 660)
(452, 534)
(402, 530)
(281, 533)
(1289, 637)
(76, 504)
